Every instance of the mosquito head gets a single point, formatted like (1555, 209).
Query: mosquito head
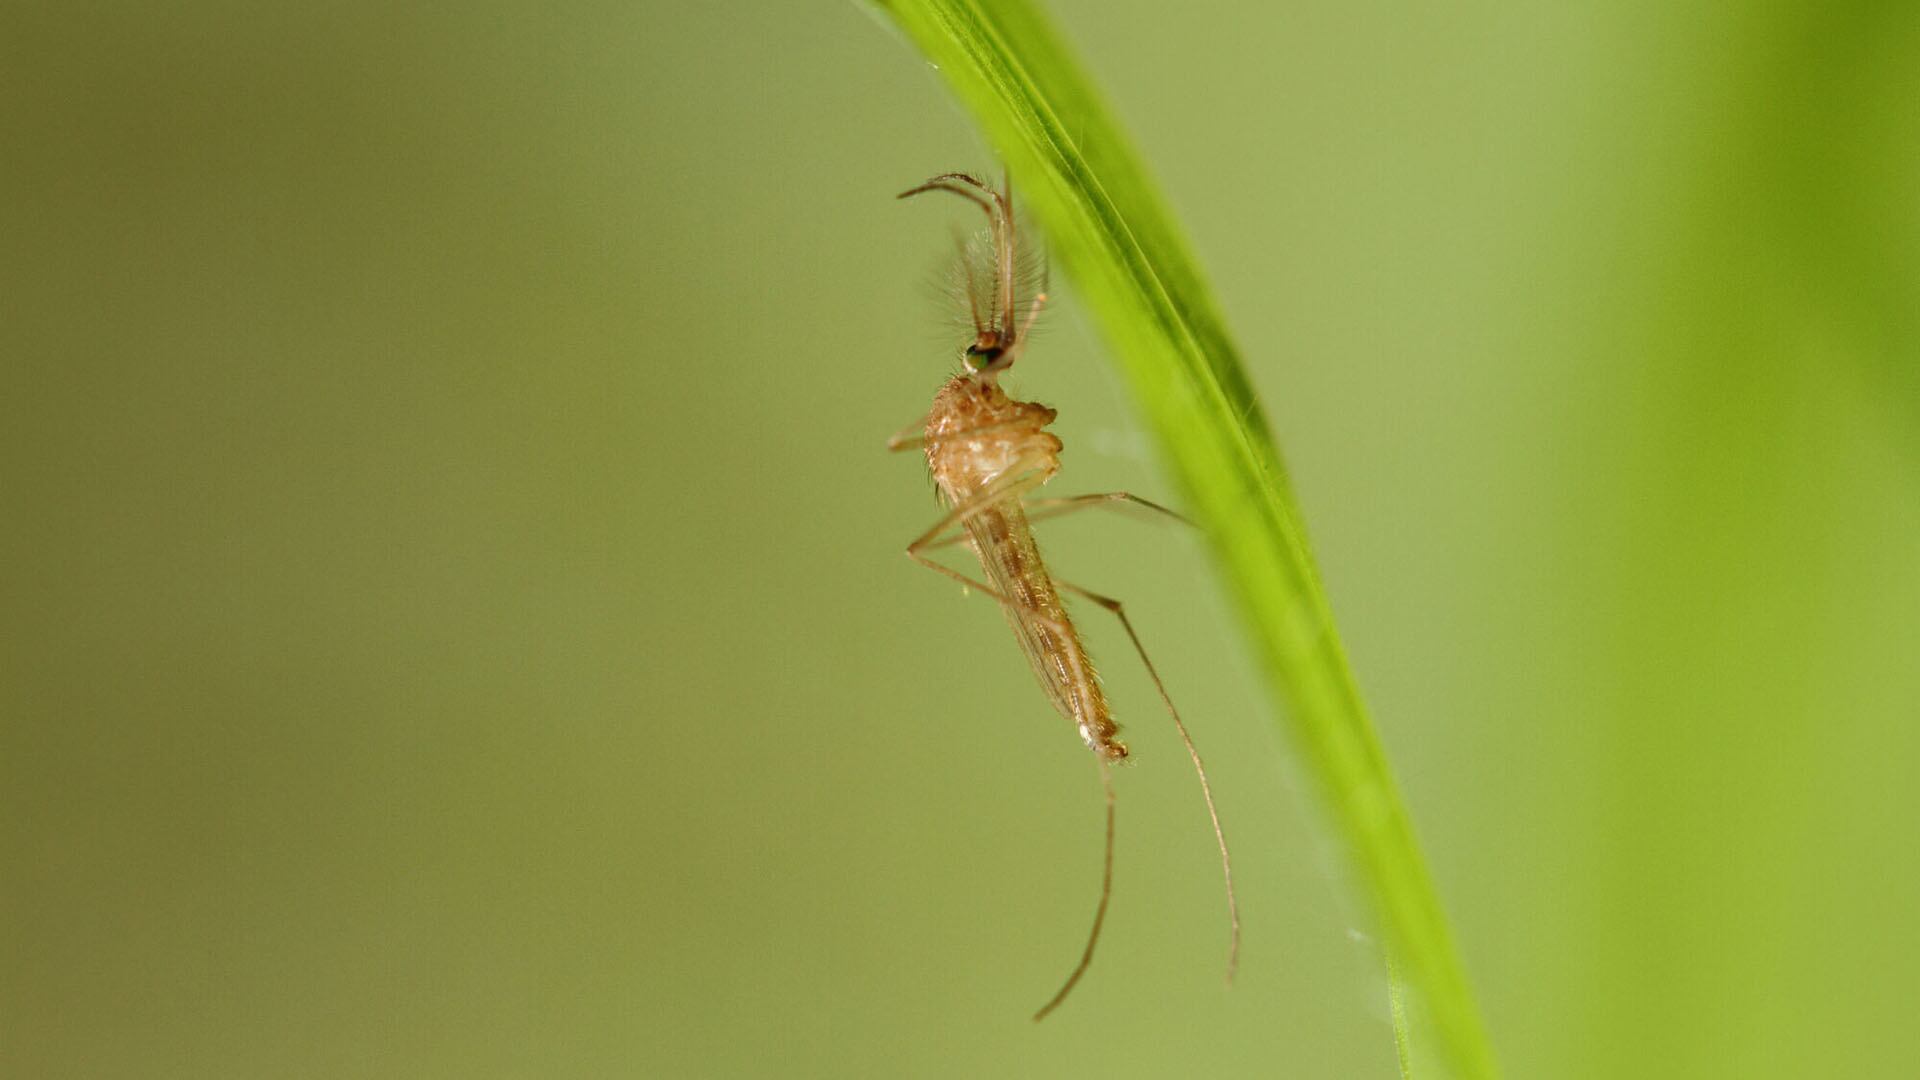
(989, 278)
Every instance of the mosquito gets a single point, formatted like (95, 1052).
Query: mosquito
(988, 454)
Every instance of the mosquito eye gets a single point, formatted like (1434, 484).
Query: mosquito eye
(980, 359)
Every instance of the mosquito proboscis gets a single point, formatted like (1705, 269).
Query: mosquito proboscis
(988, 453)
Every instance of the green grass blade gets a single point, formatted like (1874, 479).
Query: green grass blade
(1110, 230)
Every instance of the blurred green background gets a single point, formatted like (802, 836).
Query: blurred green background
(452, 620)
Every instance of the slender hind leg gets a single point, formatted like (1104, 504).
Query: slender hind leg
(1042, 509)
(914, 435)
(1099, 913)
(1206, 789)
(1017, 482)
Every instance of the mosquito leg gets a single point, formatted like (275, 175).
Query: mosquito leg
(914, 435)
(910, 437)
(1042, 509)
(1033, 312)
(945, 541)
(1019, 482)
(973, 286)
(973, 583)
(1015, 483)
(940, 183)
(1206, 789)
(1020, 341)
(1100, 912)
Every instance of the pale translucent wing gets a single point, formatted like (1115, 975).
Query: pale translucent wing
(1011, 562)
